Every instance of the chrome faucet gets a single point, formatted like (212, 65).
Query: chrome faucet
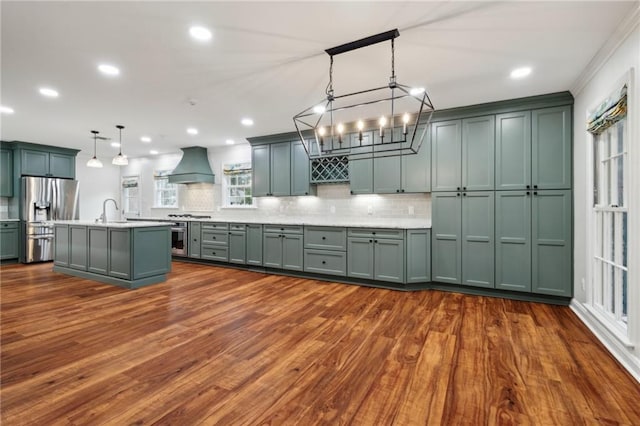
(104, 209)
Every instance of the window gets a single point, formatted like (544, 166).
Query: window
(130, 195)
(610, 209)
(237, 191)
(165, 194)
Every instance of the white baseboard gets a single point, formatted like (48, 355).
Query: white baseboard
(619, 351)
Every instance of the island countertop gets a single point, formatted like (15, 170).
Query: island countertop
(114, 224)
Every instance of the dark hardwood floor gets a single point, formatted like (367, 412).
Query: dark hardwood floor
(230, 347)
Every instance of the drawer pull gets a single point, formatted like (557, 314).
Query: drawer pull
(324, 238)
(324, 262)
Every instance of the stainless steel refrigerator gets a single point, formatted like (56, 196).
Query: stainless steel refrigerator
(44, 200)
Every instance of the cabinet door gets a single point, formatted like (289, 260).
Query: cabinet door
(35, 163)
(446, 246)
(237, 247)
(478, 239)
(78, 247)
(62, 165)
(120, 253)
(416, 168)
(551, 242)
(478, 153)
(281, 169)
(98, 250)
(8, 242)
(254, 244)
(360, 258)
(260, 170)
(389, 260)
(292, 252)
(446, 141)
(300, 171)
(361, 176)
(513, 240)
(386, 174)
(551, 148)
(61, 245)
(272, 253)
(6, 173)
(418, 244)
(513, 150)
(195, 242)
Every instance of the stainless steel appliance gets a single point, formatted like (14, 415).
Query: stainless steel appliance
(179, 239)
(44, 200)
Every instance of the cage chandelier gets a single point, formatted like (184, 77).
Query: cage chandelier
(384, 121)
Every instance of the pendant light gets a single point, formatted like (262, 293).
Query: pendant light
(94, 162)
(120, 160)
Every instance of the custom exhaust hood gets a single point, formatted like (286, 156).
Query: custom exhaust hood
(193, 167)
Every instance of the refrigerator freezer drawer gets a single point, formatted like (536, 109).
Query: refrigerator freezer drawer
(39, 248)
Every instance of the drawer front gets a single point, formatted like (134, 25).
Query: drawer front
(376, 233)
(284, 229)
(208, 226)
(325, 238)
(325, 262)
(9, 225)
(213, 252)
(237, 226)
(215, 237)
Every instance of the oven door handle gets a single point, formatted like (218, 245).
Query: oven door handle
(179, 229)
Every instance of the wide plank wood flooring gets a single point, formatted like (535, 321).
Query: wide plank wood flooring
(231, 347)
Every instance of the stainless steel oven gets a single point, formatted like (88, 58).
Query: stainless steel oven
(179, 239)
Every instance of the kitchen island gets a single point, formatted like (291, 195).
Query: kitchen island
(126, 254)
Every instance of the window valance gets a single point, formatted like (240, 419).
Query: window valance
(610, 111)
(237, 168)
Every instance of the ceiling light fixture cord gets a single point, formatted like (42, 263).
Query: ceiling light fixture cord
(329, 89)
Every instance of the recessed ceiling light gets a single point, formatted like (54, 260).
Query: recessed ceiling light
(6, 109)
(520, 72)
(115, 144)
(48, 92)
(109, 70)
(145, 139)
(192, 131)
(229, 142)
(416, 91)
(153, 152)
(200, 33)
(247, 121)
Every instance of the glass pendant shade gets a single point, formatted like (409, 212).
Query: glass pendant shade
(94, 162)
(120, 160)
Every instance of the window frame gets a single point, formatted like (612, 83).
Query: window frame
(159, 175)
(245, 166)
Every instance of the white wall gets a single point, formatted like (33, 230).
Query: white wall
(621, 59)
(96, 185)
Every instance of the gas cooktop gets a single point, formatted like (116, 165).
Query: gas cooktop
(189, 216)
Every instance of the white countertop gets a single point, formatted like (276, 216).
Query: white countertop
(9, 220)
(365, 222)
(141, 224)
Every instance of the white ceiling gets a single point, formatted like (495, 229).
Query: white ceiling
(267, 61)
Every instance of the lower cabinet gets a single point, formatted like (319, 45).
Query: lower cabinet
(78, 247)
(325, 250)
(376, 254)
(9, 242)
(215, 241)
(283, 247)
(98, 250)
(61, 245)
(120, 253)
(418, 249)
(194, 239)
(254, 244)
(237, 244)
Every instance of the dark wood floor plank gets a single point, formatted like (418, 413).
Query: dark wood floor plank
(223, 346)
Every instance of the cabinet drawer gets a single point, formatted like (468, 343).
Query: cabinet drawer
(213, 252)
(325, 262)
(208, 226)
(376, 233)
(326, 238)
(237, 226)
(215, 237)
(9, 225)
(283, 229)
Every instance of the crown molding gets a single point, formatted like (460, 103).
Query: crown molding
(621, 33)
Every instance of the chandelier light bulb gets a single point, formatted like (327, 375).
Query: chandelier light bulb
(416, 91)
(405, 121)
(340, 128)
(360, 125)
(319, 109)
(322, 131)
(382, 122)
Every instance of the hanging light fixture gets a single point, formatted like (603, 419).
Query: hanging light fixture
(94, 162)
(120, 160)
(398, 115)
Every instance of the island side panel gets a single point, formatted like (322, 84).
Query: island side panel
(120, 258)
(151, 251)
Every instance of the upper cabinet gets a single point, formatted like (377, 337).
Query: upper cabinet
(271, 164)
(6, 172)
(513, 150)
(49, 164)
(446, 148)
(300, 171)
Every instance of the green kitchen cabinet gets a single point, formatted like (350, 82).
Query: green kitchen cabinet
(361, 176)
(418, 249)
(513, 151)
(49, 164)
(98, 250)
(283, 247)
(389, 260)
(416, 168)
(292, 252)
(376, 254)
(272, 252)
(446, 151)
(387, 175)
(261, 170)
(6, 172)
(446, 243)
(120, 253)
(325, 250)
(300, 171)
(195, 240)
(551, 148)
(237, 244)
(280, 169)
(9, 243)
(478, 238)
(478, 140)
(513, 240)
(61, 245)
(360, 258)
(78, 247)
(551, 242)
(254, 244)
